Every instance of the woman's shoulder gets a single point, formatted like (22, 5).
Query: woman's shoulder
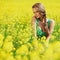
(51, 20)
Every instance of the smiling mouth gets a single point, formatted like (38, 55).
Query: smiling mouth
(37, 16)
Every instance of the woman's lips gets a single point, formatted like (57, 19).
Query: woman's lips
(37, 16)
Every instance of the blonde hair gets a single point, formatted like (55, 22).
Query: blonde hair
(41, 10)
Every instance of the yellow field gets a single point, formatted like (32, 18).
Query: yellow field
(16, 41)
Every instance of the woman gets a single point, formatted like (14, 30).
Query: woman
(41, 26)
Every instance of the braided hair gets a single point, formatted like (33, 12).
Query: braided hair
(41, 10)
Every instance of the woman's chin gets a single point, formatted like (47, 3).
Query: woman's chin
(37, 17)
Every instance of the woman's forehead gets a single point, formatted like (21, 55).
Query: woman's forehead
(35, 9)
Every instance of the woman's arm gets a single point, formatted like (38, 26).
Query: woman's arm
(49, 31)
(33, 25)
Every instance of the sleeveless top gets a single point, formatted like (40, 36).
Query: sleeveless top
(39, 31)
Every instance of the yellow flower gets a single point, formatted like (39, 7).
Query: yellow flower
(9, 57)
(40, 48)
(22, 50)
(30, 45)
(25, 58)
(2, 54)
(8, 46)
(35, 43)
(56, 56)
(18, 57)
(58, 30)
(43, 38)
(1, 39)
(1, 43)
(52, 37)
(48, 54)
(34, 55)
(46, 43)
(8, 39)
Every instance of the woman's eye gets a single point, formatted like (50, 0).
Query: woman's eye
(37, 11)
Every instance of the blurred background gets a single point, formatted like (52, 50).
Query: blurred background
(14, 8)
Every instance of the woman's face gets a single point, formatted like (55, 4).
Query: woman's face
(36, 13)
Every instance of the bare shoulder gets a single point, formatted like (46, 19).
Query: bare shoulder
(52, 24)
(52, 21)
